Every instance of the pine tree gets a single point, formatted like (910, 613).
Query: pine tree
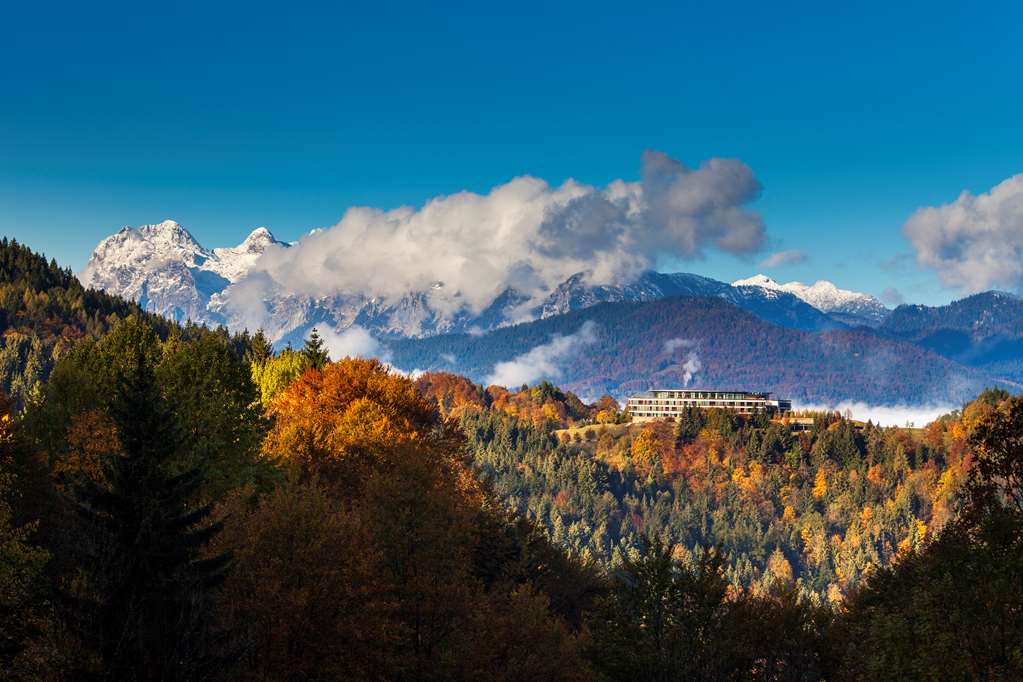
(260, 349)
(687, 428)
(314, 352)
(148, 597)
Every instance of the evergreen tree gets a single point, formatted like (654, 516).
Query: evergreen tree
(689, 424)
(148, 593)
(260, 349)
(662, 620)
(314, 352)
(21, 565)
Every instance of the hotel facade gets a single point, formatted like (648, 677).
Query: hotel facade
(669, 404)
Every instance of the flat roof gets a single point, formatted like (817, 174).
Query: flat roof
(652, 391)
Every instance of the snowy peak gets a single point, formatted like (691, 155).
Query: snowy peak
(164, 268)
(161, 241)
(850, 306)
(258, 240)
(762, 281)
(235, 262)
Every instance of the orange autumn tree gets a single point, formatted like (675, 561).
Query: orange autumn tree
(351, 415)
(452, 393)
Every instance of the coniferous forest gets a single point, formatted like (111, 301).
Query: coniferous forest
(178, 503)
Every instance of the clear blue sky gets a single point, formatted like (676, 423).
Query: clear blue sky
(228, 116)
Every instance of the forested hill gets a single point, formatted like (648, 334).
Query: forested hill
(44, 310)
(984, 330)
(309, 519)
(636, 345)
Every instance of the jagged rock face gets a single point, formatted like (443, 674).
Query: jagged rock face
(166, 270)
(848, 306)
(170, 273)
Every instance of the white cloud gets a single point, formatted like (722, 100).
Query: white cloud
(887, 415)
(544, 361)
(780, 258)
(354, 342)
(975, 242)
(465, 249)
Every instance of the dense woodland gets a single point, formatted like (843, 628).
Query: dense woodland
(182, 504)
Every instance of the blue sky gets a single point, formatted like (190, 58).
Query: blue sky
(228, 116)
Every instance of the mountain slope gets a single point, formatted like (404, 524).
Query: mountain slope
(780, 308)
(847, 306)
(984, 330)
(638, 345)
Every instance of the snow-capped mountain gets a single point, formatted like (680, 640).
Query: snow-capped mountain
(164, 268)
(168, 272)
(779, 307)
(847, 306)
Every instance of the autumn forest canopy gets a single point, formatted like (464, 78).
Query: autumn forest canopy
(180, 503)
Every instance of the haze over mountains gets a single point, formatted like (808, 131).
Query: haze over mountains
(814, 342)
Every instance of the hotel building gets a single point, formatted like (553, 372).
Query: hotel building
(668, 404)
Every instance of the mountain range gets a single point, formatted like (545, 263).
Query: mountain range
(621, 348)
(164, 269)
(818, 336)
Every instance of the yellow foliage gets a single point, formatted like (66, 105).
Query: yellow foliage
(957, 430)
(275, 374)
(779, 568)
(90, 436)
(874, 475)
(820, 484)
(866, 514)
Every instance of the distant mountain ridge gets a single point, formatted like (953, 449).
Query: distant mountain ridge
(984, 330)
(645, 344)
(777, 307)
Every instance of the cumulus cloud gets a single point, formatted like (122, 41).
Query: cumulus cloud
(975, 242)
(355, 342)
(888, 415)
(544, 361)
(780, 258)
(466, 249)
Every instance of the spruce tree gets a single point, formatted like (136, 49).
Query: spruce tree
(314, 352)
(689, 424)
(260, 348)
(148, 592)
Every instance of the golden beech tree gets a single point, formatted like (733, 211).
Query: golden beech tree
(353, 414)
